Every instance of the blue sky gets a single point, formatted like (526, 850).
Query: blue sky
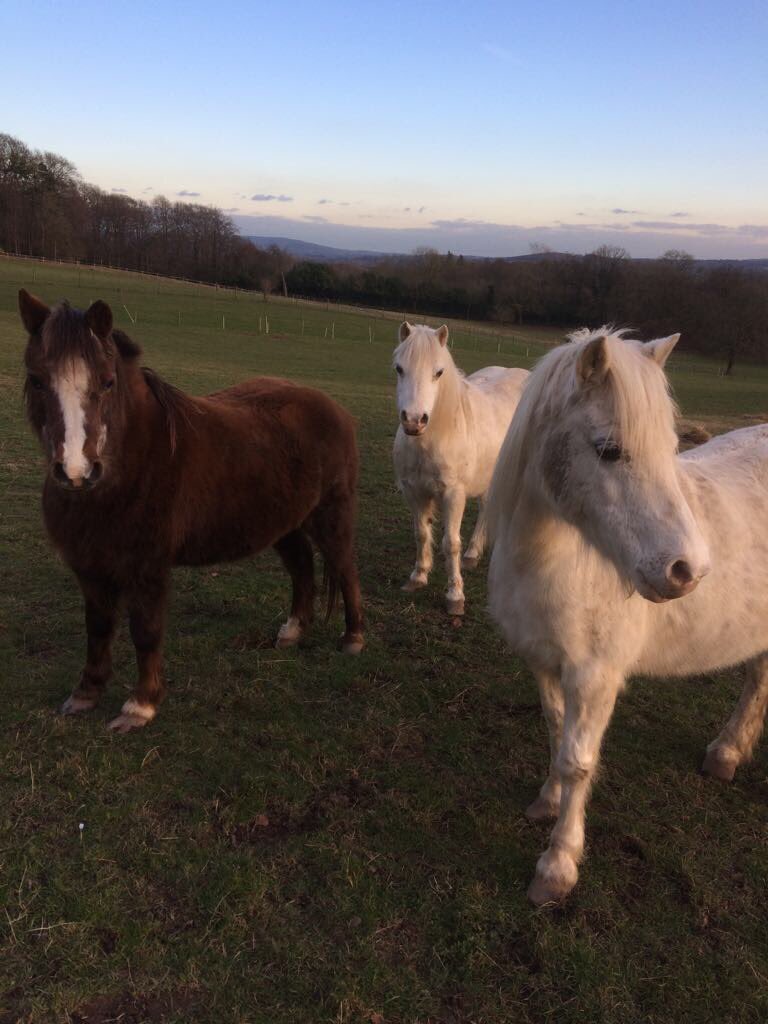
(483, 128)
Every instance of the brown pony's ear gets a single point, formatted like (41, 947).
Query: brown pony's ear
(98, 316)
(34, 313)
(127, 348)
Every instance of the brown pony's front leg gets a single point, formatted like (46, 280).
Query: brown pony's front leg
(101, 608)
(146, 611)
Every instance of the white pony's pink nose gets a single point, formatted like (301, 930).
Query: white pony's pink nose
(413, 423)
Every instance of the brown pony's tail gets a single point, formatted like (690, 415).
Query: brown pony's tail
(331, 588)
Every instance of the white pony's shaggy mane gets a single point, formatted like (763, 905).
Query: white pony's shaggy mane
(644, 411)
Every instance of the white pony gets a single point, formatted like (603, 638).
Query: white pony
(598, 524)
(451, 429)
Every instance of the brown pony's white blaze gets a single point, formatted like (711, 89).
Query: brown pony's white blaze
(142, 477)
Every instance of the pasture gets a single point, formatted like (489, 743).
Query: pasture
(302, 837)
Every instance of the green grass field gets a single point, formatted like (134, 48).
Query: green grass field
(301, 837)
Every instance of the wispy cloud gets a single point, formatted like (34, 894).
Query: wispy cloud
(501, 53)
(185, 193)
(680, 213)
(315, 220)
(618, 209)
(123, 190)
(268, 197)
(232, 209)
(324, 202)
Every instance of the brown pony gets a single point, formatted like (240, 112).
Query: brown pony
(142, 477)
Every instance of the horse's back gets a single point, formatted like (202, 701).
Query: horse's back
(493, 379)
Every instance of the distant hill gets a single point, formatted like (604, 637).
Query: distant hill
(321, 253)
(329, 254)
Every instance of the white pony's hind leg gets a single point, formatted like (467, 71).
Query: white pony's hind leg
(547, 803)
(453, 512)
(736, 742)
(474, 552)
(590, 697)
(423, 516)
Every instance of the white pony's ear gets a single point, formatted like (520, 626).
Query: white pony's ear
(442, 335)
(594, 361)
(660, 349)
(405, 330)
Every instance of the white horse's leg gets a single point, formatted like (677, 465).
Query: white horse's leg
(735, 743)
(423, 515)
(589, 701)
(547, 803)
(453, 512)
(474, 552)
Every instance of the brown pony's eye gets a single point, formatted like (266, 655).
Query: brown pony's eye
(35, 382)
(108, 384)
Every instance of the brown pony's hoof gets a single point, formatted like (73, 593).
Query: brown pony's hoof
(352, 643)
(542, 810)
(289, 633)
(468, 562)
(412, 585)
(455, 607)
(77, 705)
(719, 765)
(133, 715)
(124, 723)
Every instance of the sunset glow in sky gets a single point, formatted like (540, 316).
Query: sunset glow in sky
(481, 128)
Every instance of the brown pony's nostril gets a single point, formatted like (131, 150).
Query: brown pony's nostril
(95, 475)
(679, 573)
(59, 474)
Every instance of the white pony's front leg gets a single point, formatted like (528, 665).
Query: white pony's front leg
(453, 512)
(590, 696)
(735, 743)
(474, 552)
(547, 803)
(423, 514)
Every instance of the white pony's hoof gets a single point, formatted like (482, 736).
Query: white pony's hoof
(77, 705)
(455, 606)
(132, 716)
(412, 585)
(721, 763)
(556, 875)
(352, 643)
(469, 562)
(289, 634)
(542, 809)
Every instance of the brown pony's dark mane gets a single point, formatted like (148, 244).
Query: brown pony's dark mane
(175, 403)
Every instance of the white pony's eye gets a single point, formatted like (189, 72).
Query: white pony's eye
(608, 451)
(438, 374)
(399, 370)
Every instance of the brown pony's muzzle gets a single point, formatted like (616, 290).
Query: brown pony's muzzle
(59, 474)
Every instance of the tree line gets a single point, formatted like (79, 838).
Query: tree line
(721, 310)
(47, 210)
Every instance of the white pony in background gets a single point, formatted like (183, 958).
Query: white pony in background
(598, 524)
(451, 429)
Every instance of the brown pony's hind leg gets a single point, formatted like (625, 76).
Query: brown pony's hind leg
(101, 609)
(295, 550)
(332, 526)
(146, 611)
